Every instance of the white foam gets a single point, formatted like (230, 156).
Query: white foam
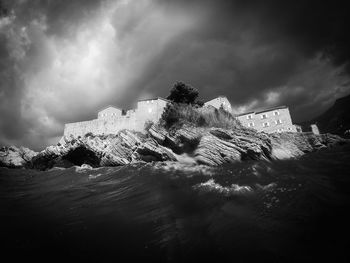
(93, 176)
(57, 168)
(186, 168)
(268, 187)
(83, 168)
(234, 189)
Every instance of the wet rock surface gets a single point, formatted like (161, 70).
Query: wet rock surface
(208, 146)
(14, 157)
(216, 146)
(111, 150)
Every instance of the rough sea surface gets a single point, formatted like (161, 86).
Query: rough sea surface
(279, 211)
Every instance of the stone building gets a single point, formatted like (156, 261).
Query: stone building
(276, 119)
(108, 112)
(149, 110)
(314, 129)
(219, 102)
(110, 120)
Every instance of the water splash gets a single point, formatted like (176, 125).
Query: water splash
(234, 189)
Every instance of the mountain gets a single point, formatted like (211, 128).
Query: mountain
(336, 119)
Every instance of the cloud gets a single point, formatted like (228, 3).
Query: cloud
(63, 60)
(61, 72)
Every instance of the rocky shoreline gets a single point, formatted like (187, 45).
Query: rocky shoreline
(14, 157)
(199, 145)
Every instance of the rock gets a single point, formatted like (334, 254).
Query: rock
(216, 146)
(292, 145)
(158, 133)
(151, 150)
(208, 146)
(180, 141)
(111, 150)
(215, 151)
(221, 146)
(14, 157)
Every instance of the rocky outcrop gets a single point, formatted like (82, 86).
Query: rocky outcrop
(291, 145)
(14, 157)
(216, 146)
(209, 146)
(111, 150)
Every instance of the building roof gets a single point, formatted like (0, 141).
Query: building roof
(109, 106)
(246, 113)
(258, 112)
(221, 96)
(156, 98)
(271, 109)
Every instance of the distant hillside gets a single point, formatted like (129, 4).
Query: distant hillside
(336, 119)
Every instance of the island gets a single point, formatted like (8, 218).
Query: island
(179, 128)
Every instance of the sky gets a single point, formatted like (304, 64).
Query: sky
(61, 61)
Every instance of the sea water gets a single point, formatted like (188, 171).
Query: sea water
(277, 211)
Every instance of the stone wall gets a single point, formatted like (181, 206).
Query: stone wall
(147, 110)
(100, 126)
(108, 112)
(314, 129)
(276, 120)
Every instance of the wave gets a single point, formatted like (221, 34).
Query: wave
(234, 189)
(187, 169)
(85, 167)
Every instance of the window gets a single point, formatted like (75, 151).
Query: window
(264, 116)
(249, 117)
(251, 124)
(278, 122)
(276, 113)
(266, 124)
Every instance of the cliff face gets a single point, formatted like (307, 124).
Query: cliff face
(217, 146)
(124, 148)
(209, 146)
(214, 146)
(14, 157)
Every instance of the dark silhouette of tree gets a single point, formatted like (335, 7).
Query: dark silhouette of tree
(200, 103)
(183, 93)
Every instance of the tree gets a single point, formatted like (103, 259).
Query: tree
(148, 125)
(183, 93)
(200, 103)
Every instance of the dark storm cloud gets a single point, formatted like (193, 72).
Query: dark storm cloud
(62, 60)
(310, 25)
(252, 47)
